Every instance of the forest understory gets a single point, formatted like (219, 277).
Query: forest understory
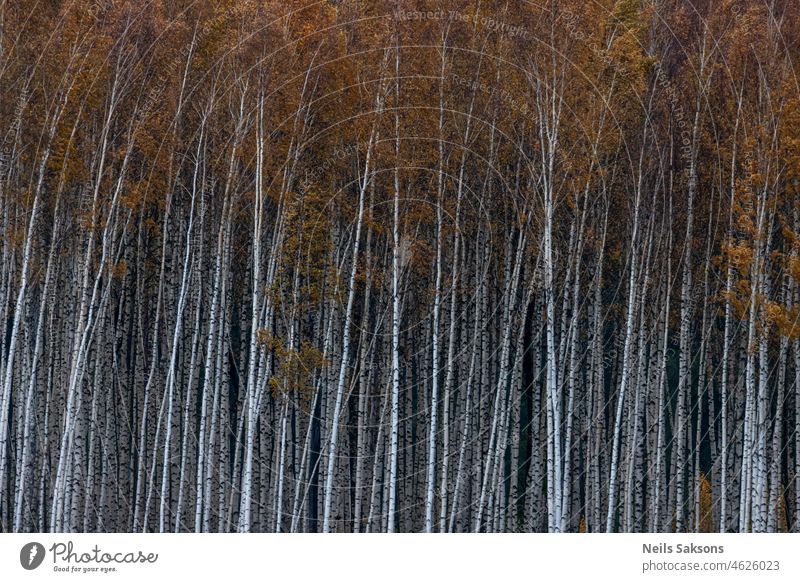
(399, 266)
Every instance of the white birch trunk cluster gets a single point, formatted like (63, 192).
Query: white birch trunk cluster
(300, 274)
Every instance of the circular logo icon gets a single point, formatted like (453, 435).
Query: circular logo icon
(31, 555)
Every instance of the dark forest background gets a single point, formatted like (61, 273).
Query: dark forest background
(399, 265)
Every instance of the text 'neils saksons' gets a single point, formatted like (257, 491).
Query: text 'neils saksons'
(681, 549)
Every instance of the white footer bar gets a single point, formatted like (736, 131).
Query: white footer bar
(406, 557)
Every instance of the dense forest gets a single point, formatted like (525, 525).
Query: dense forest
(399, 265)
